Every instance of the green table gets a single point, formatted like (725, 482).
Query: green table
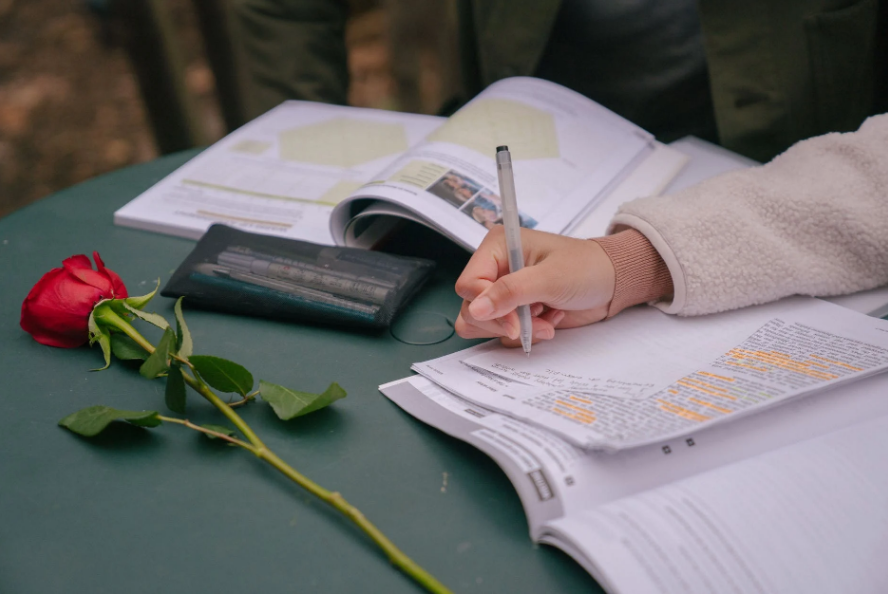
(169, 511)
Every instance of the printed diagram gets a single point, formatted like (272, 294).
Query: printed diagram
(487, 123)
(342, 142)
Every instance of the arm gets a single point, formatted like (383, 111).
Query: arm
(291, 49)
(813, 221)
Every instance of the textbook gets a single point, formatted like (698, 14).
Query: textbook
(345, 175)
(735, 452)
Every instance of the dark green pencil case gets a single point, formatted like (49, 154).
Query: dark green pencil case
(274, 277)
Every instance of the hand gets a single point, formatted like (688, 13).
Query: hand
(567, 282)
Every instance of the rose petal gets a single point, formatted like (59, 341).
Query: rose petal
(117, 285)
(92, 278)
(50, 316)
(78, 261)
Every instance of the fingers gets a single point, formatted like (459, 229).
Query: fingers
(554, 316)
(506, 327)
(468, 327)
(528, 285)
(488, 263)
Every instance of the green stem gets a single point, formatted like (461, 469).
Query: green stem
(110, 317)
(260, 450)
(216, 434)
(338, 502)
(204, 390)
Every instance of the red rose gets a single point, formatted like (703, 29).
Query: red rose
(56, 311)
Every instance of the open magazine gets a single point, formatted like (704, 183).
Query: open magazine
(341, 175)
(791, 500)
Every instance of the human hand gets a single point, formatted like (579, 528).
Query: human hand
(567, 282)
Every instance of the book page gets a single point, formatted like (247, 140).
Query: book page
(644, 376)
(649, 178)
(281, 174)
(567, 152)
(811, 517)
(576, 480)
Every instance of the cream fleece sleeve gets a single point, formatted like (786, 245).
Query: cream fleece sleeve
(813, 221)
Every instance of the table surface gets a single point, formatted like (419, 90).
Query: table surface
(166, 510)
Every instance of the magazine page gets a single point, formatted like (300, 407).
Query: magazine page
(810, 517)
(280, 174)
(582, 481)
(644, 376)
(567, 152)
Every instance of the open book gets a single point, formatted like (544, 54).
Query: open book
(696, 494)
(343, 175)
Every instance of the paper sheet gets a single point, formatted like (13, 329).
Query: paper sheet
(810, 517)
(645, 376)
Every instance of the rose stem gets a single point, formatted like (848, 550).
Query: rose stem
(257, 447)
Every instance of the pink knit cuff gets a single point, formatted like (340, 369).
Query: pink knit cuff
(641, 274)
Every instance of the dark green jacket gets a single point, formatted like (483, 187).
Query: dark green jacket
(780, 70)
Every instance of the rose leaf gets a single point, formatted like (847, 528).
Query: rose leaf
(126, 349)
(142, 301)
(159, 361)
(102, 336)
(185, 347)
(175, 390)
(93, 420)
(151, 318)
(289, 404)
(222, 374)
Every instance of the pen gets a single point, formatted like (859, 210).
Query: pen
(513, 234)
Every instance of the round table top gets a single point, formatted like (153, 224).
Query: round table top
(166, 510)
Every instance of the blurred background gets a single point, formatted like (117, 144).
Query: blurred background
(72, 106)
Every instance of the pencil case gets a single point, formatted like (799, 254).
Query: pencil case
(246, 273)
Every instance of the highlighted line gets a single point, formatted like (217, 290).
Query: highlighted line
(582, 412)
(218, 215)
(712, 375)
(704, 390)
(194, 182)
(574, 417)
(682, 412)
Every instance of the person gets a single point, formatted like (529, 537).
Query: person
(754, 76)
(758, 77)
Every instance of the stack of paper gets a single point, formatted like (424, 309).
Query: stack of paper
(617, 440)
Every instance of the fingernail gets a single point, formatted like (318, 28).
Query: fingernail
(481, 308)
(544, 334)
(511, 331)
(558, 317)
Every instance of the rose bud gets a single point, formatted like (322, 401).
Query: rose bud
(56, 311)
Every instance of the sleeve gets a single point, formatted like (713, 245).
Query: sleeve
(813, 221)
(291, 49)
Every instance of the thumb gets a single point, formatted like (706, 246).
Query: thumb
(528, 285)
